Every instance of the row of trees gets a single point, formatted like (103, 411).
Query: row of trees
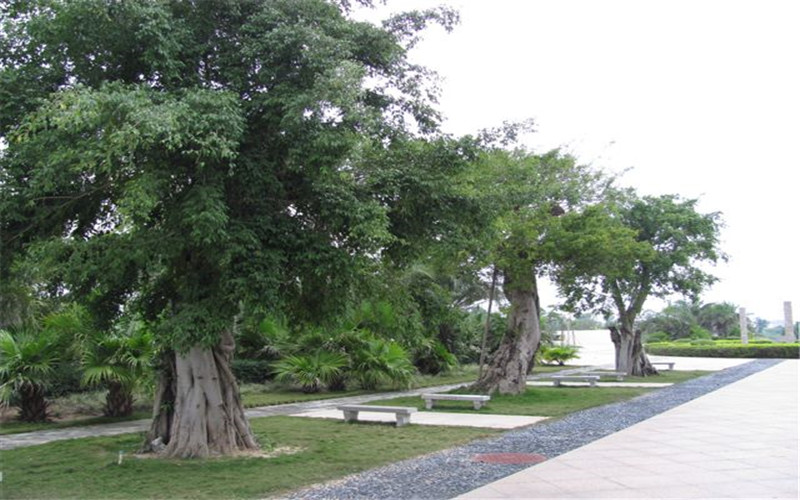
(202, 168)
(60, 343)
(684, 319)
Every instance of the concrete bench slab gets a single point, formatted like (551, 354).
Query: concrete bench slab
(402, 413)
(620, 376)
(437, 418)
(669, 364)
(478, 400)
(591, 379)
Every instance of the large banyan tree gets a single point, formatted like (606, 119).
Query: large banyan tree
(528, 196)
(188, 159)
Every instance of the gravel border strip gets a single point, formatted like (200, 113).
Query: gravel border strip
(452, 472)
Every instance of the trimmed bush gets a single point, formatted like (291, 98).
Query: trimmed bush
(726, 350)
(253, 371)
(657, 337)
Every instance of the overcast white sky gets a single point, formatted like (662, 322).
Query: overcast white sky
(700, 98)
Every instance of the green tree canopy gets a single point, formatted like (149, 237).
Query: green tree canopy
(182, 159)
(662, 256)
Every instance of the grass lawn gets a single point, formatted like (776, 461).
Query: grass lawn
(536, 401)
(540, 369)
(83, 409)
(664, 376)
(550, 401)
(16, 426)
(87, 468)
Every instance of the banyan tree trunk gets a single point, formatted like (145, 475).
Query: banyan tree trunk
(508, 368)
(198, 411)
(119, 400)
(629, 352)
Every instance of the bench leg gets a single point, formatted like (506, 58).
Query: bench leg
(477, 404)
(350, 416)
(428, 404)
(592, 383)
(556, 383)
(403, 420)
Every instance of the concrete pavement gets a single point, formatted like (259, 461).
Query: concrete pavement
(740, 441)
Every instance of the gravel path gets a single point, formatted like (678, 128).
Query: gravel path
(452, 472)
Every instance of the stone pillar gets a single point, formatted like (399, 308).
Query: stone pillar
(743, 324)
(788, 323)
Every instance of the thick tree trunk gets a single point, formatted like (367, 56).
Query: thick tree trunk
(198, 412)
(32, 405)
(119, 400)
(508, 368)
(629, 353)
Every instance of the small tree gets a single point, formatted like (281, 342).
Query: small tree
(659, 257)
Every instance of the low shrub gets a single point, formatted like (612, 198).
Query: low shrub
(559, 354)
(657, 337)
(726, 350)
(253, 371)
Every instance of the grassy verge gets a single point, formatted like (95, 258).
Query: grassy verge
(725, 349)
(663, 377)
(536, 401)
(16, 427)
(87, 468)
(84, 409)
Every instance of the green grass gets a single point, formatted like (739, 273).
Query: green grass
(87, 468)
(540, 369)
(254, 395)
(15, 426)
(663, 377)
(536, 401)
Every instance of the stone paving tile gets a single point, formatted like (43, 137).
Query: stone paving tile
(737, 442)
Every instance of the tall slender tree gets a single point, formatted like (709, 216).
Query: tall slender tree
(190, 159)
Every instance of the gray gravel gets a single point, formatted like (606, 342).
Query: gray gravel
(452, 472)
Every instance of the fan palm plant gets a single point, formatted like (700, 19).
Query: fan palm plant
(311, 371)
(118, 361)
(27, 363)
(379, 361)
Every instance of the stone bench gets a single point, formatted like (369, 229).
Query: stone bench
(477, 400)
(619, 375)
(669, 364)
(402, 413)
(592, 379)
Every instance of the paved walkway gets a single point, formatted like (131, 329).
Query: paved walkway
(740, 441)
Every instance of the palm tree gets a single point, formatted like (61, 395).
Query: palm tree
(118, 361)
(311, 371)
(27, 363)
(379, 361)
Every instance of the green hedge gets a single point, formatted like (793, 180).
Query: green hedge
(726, 350)
(254, 371)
